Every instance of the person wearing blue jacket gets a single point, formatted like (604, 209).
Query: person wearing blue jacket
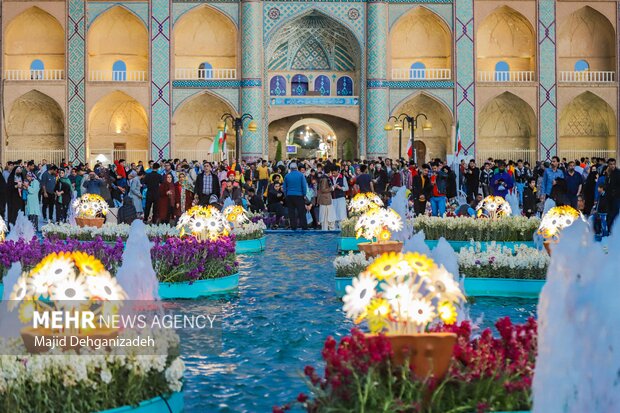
(550, 176)
(295, 189)
(502, 181)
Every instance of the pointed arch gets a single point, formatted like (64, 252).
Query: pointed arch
(506, 122)
(322, 84)
(35, 121)
(431, 36)
(34, 35)
(117, 34)
(506, 35)
(203, 34)
(586, 34)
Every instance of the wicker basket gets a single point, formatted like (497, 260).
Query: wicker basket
(374, 249)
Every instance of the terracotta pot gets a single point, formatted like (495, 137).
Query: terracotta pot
(373, 249)
(90, 222)
(428, 353)
(29, 334)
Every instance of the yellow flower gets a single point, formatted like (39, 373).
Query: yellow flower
(47, 260)
(377, 314)
(447, 312)
(385, 266)
(385, 235)
(232, 217)
(87, 264)
(26, 311)
(420, 263)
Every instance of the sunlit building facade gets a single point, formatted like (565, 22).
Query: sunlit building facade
(151, 80)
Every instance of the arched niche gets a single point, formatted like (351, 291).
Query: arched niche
(118, 120)
(118, 35)
(34, 35)
(505, 35)
(35, 121)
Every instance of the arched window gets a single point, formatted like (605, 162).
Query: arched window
(36, 70)
(322, 85)
(581, 66)
(205, 71)
(417, 71)
(502, 72)
(299, 85)
(277, 86)
(344, 86)
(119, 71)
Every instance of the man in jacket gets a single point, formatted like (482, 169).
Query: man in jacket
(206, 185)
(295, 189)
(152, 181)
(502, 181)
(324, 199)
(472, 180)
(422, 189)
(439, 180)
(612, 189)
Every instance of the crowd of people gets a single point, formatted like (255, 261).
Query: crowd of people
(307, 193)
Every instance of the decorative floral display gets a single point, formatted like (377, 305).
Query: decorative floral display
(204, 223)
(235, 214)
(488, 374)
(378, 223)
(108, 232)
(493, 207)
(513, 228)
(249, 230)
(351, 265)
(502, 262)
(555, 220)
(364, 202)
(402, 293)
(90, 206)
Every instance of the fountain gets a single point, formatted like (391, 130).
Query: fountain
(578, 363)
(22, 229)
(416, 244)
(400, 205)
(136, 275)
(445, 255)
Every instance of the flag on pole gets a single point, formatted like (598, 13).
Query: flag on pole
(409, 149)
(215, 145)
(223, 141)
(458, 144)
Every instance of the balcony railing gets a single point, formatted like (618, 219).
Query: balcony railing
(54, 156)
(205, 74)
(194, 155)
(506, 76)
(12, 74)
(572, 154)
(117, 76)
(587, 76)
(421, 74)
(110, 155)
(314, 100)
(507, 154)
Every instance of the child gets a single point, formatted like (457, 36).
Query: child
(530, 198)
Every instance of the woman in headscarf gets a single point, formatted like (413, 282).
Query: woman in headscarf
(33, 205)
(185, 192)
(167, 201)
(589, 190)
(135, 192)
(14, 197)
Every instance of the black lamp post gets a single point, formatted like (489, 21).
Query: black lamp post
(237, 122)
(412, 123)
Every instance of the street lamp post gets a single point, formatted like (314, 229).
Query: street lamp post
(412, 124)
(237, 122)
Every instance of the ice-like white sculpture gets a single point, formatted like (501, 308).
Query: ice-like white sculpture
(445, 255)
(416, 244)
(136, 275)
(578, 363)
(22, 229)
(400, 205)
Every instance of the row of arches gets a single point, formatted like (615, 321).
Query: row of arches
(300, 86)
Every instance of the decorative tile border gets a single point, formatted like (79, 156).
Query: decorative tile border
(547, 110)
(315, 101)
(206, 84)
(95, 9)
(465, 98)
(410, 84)
(160, 111)
(76, 69)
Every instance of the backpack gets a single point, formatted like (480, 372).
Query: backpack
(127, 213)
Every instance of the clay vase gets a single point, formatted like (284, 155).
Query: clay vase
(374, 249)
(428, 353)
(90, 222)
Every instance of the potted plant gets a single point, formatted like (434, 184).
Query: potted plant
(90, 210)
(554, 221)
(493, 207)
(401, 295)
(377, 225)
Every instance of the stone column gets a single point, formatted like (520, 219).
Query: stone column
(76, 78)
(159, 76)
(465, 73)
(377, 93)
(547, 90)
(252, 96)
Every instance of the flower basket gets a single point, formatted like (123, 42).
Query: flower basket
(30, 334)
(374, 249)
(428, 353)
(90, 222)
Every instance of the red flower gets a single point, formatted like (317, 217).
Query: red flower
(301, 398)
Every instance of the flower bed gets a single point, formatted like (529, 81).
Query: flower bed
(108, 232)
(502, 262)
(466, 228)
(249, 230)
(351, 265)
(486, 374)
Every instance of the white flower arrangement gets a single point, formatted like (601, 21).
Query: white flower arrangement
(351, 265)
(493, 207)
(364, 202)
(204, 223)
(249, 230)
(90, 206)
(512, 228)
(555, 220)
(378, 223)
(235, 214)
(108, 232)
(403, 294)
(498, 261)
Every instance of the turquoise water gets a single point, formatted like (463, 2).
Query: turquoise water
(276, 324)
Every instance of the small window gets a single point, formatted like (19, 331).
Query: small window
(417, 71)
(205, 71)
(37, 70)
(581, 66)
(322, 85)
(277, 86)
(119, 71)
(344, 86)
(502, 72)
(299, 85)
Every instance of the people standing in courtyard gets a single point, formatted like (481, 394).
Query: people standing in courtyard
(324, 199)
(472, 180)
(295, 188)
(339, 203)
(33, 206)
(612, 189)
(15, 202)
(166, 201)
(135, 192)
(48, 184)
(550, 176)
(152, 180)
(502, 182)
(206, 185)
(63, 194)
(439, 182)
